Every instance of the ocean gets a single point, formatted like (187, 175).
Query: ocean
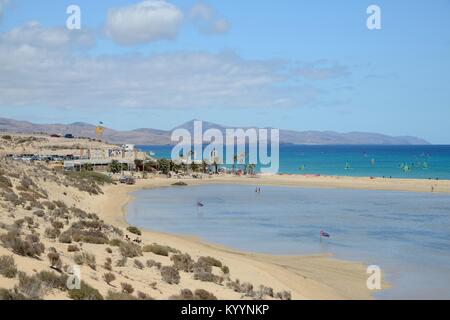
(406, 234)
(420, 162)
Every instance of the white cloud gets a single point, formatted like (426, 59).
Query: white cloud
(143, 22)
(34, 34)
(39, 68)
(207, 20)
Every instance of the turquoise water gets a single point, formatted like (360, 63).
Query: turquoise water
(422, 162)
(406, 234)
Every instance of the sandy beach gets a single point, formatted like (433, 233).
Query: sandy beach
(307, 277)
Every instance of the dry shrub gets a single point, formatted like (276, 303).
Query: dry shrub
(11, 295)
(159, 249)
(85, 258)
(122, 262)
(115, 242)
(127, 288)
(152, 263)
(30, 247)
(138, 264)
(78, 258)
(49, 205)
(53, 280)
(108, 250)
(65, 237)
(108, 264)
(89, 236)
(8, 267)
(143, 296)
(183, 262)
(89, 258)
(170, 275)
(79, 213)
(39, 213)
(52, 233)
(61, 205)
(130, 250)
(112, 295)
(30, 286)
(73, 248)
(201, 294)
(266, 291)
(185, 294)
(5, 182)
(55, 260)
(10, 196)
(57, 224)
(211, 261)
(109, 277)
(86, 292)
(283, 295)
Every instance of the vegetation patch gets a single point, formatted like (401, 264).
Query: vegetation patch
(134, 230)
(86, 292)
(170, 275)
(8, 267)
(159, 249)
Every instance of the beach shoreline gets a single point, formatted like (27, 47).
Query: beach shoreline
(307, 277)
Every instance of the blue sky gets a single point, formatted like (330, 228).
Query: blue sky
(302, 65)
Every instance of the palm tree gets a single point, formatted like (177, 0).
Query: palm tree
(251, 168)
(235, 159)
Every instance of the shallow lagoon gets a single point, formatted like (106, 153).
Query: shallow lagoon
(406, 234)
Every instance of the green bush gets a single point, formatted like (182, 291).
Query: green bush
(211, 261)
(134, 230)
(159, 249)
(225, 269)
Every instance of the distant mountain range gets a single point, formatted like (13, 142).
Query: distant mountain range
(162, 137)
